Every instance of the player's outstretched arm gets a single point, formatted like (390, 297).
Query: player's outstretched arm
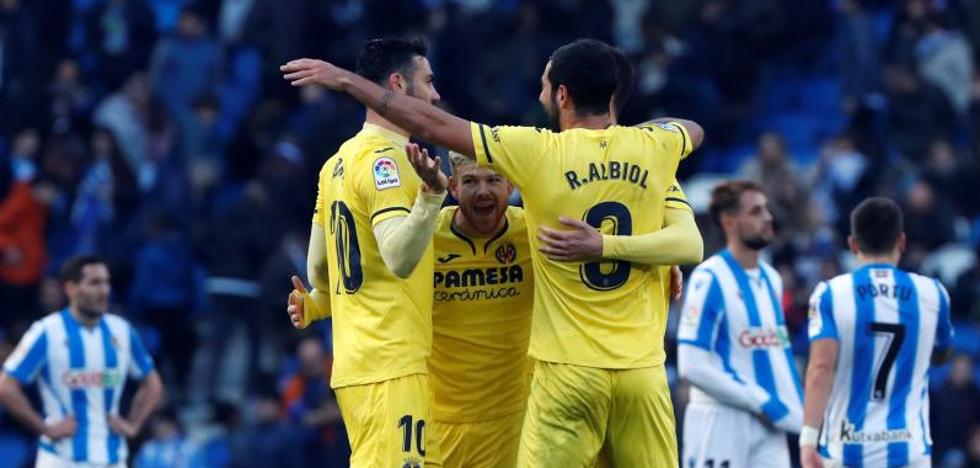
(145, 401)
(819, 379)
(13, 398)
(416, 116)
(677, 243)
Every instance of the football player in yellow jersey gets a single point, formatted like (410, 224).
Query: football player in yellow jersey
(598, 381)
(479, 371)
(370, 262)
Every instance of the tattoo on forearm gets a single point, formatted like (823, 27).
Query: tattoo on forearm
(383, 108)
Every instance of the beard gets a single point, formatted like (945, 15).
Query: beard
(758, 242)
(554, 122)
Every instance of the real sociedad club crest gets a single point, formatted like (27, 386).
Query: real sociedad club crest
(506, 253)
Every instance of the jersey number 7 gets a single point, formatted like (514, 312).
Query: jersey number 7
(897, 336)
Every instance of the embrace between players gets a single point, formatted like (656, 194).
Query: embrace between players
(490, 336)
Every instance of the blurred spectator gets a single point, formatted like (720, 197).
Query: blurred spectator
(22, 221)
(232, 18)
(71, 100)
(167, 290)
(234, 245)
(839, 181)
(167, 447)
(928, 223)
(945, 60)
(952, 176)
(973, 447)
(312, 407)
(126, 113)
(185, 66)
(955, 406)
(778, 174)
(20, 41)
(265, 440)
(918, 112)
(859, 54)
(121, 32)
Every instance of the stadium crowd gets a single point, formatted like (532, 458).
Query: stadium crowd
(159, 134)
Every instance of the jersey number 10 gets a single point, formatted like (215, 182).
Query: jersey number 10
(348, 249)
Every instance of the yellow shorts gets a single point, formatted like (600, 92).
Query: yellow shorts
(386, 423)
(484, 444)
(576, 412)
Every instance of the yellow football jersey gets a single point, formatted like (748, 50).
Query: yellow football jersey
(481, 318)
(660, 293)
(382, 324)
(597, 314)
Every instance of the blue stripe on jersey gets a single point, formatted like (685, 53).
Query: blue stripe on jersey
(760, 358)
(35, 358)
(723, 346)
(714, 304)
(79, 401)
(48, 379)
(828, 325)
(908, 317)
(781, 321)
(861, 372)
(944, 327)
(111, 363)
(139, 355)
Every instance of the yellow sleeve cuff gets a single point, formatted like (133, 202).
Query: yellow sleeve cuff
(316, 306)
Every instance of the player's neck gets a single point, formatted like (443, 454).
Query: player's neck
(747, 258)
(570, 120)
(375, 118)
(463, 225)
(84, 319)
(864, 259)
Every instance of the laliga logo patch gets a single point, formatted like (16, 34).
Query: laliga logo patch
(386, 174)
(506, 253)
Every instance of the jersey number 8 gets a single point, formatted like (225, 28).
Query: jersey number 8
(622, 221)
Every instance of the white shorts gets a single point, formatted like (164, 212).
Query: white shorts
(46, 459)
(718, 436)
(924, 462)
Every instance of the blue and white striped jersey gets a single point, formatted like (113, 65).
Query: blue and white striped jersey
(736, 315)
(81, 372)
(887, 323)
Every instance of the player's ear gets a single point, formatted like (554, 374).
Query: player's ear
(901, 243)
(853, 245)
(454, 187)
(561, 95)
(396, 82)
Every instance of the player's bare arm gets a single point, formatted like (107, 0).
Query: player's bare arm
(146, 400)
(14, 400)
(416, 116)
(819, 378)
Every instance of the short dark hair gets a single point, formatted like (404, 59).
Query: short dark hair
(876, 224)
(726, 196)
(589, 71)
(71, 270)
(379, 58)
(624, 78)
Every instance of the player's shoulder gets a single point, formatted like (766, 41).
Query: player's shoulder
(516, 219)
(445, 220)
(710, 267)
(771, 273)
(117, 323)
